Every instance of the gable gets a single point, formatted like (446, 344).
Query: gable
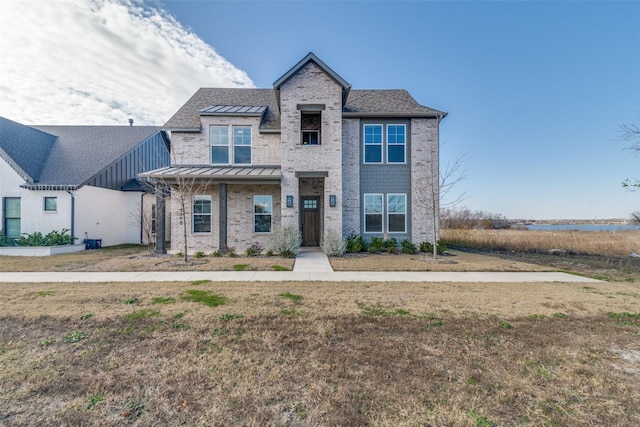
(24, 148)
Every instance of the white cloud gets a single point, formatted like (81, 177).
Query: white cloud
(101, 62)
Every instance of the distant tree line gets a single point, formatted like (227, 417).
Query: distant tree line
(466, 219)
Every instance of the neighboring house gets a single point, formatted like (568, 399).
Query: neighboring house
(311, 154)
(80, 178)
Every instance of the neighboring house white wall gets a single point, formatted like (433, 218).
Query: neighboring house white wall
(311, 85)
(107, 215)
(32, 214)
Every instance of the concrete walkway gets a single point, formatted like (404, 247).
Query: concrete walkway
(312, 260)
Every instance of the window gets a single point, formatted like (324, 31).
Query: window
(241, 145)
(310, 123)
(50, 204)
(202, 214)
(373, 213)
(395, 143)
(373, 143)
(219, 138)
(11, 215)
(262, 213)
(397, 213)
(153, 219)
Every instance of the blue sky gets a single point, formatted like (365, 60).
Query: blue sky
(536, 91)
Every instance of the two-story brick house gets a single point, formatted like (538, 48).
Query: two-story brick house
(310, 153)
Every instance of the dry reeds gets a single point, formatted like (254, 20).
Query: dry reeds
(610, 243)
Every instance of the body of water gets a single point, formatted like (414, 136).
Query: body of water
(583, 227)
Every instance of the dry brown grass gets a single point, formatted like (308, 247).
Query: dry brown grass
(620, 243)
(342, 354)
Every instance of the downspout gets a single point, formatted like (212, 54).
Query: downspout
(73, 216)
(142, 225)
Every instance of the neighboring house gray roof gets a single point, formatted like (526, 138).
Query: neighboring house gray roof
(67, 156)
(361, 103)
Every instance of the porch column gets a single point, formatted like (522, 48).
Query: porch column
(222, 235)
(160, 223)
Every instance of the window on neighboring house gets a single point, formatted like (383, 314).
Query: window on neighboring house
(50, 204)
(202, 214)
(373, 143)
(219, 138)
(262, 214)
(242, 145)
(153, 219)
(310, 123)
(11, 215)
(395, 144)
(397, 213)
(373, 213)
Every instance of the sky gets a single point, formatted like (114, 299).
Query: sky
(536, 91)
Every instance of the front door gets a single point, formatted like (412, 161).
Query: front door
(310, 221)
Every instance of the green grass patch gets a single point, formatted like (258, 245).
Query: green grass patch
(506, 325)
(179, 325)
(292, 297)
(94, 400)
(228, 317)
(560, 315)
(133, 300)
(623, 315)
(86, 316)
(434, 323)
(380, 311)
(75, 336)
(141, 314)
(279, 268)
(290, 312)
(240, 267)
(161, 300)
(200, 282)
(204, 297)
(44, 293)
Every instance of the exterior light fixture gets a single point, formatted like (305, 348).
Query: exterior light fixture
(289, 201)
(332, 200)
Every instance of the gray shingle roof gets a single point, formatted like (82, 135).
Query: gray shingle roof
(361, 103)
(68, 155)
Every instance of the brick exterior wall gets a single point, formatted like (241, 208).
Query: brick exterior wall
(424, 157)
(312, 86)
(351, 148)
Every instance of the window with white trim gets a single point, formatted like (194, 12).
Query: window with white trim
(50, 204)
(310, 123)
(262, 214)
(202, 214)
(373, 143)
(219, 138)
(241, 145)
(397, 213)
(373, 213)
(396, 143)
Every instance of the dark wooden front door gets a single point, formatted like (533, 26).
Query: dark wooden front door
(310, 221)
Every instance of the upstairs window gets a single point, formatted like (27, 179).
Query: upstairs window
(373, 143)
(219, 137)
(241, 145)
(310, 124)
(230, 145)
(202, 214)
(50, 204)
(396, 144)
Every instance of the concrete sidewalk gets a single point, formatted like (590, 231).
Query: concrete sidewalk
(292, 276)
(312, 260)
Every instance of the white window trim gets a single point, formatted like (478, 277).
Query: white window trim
(404, 144)
(397, 213)
(364, 144)
(364, 212)
(233, 144)
(229, 145)
(253, 208)
(193, 214)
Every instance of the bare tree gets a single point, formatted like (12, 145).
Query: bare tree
(143, 219)
(635, 217)
(630, 135)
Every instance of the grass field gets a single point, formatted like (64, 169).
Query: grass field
(308, 354)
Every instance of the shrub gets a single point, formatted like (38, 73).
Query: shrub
(375, 245)
(217, 254)
(286, 241)
(408, 247)
(54, 238)
(255, 249)
(199, 254)
(390, 245)
(428, 247)
(333, 245)
(354, 243)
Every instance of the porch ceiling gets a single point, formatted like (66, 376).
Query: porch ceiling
(217, 174)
